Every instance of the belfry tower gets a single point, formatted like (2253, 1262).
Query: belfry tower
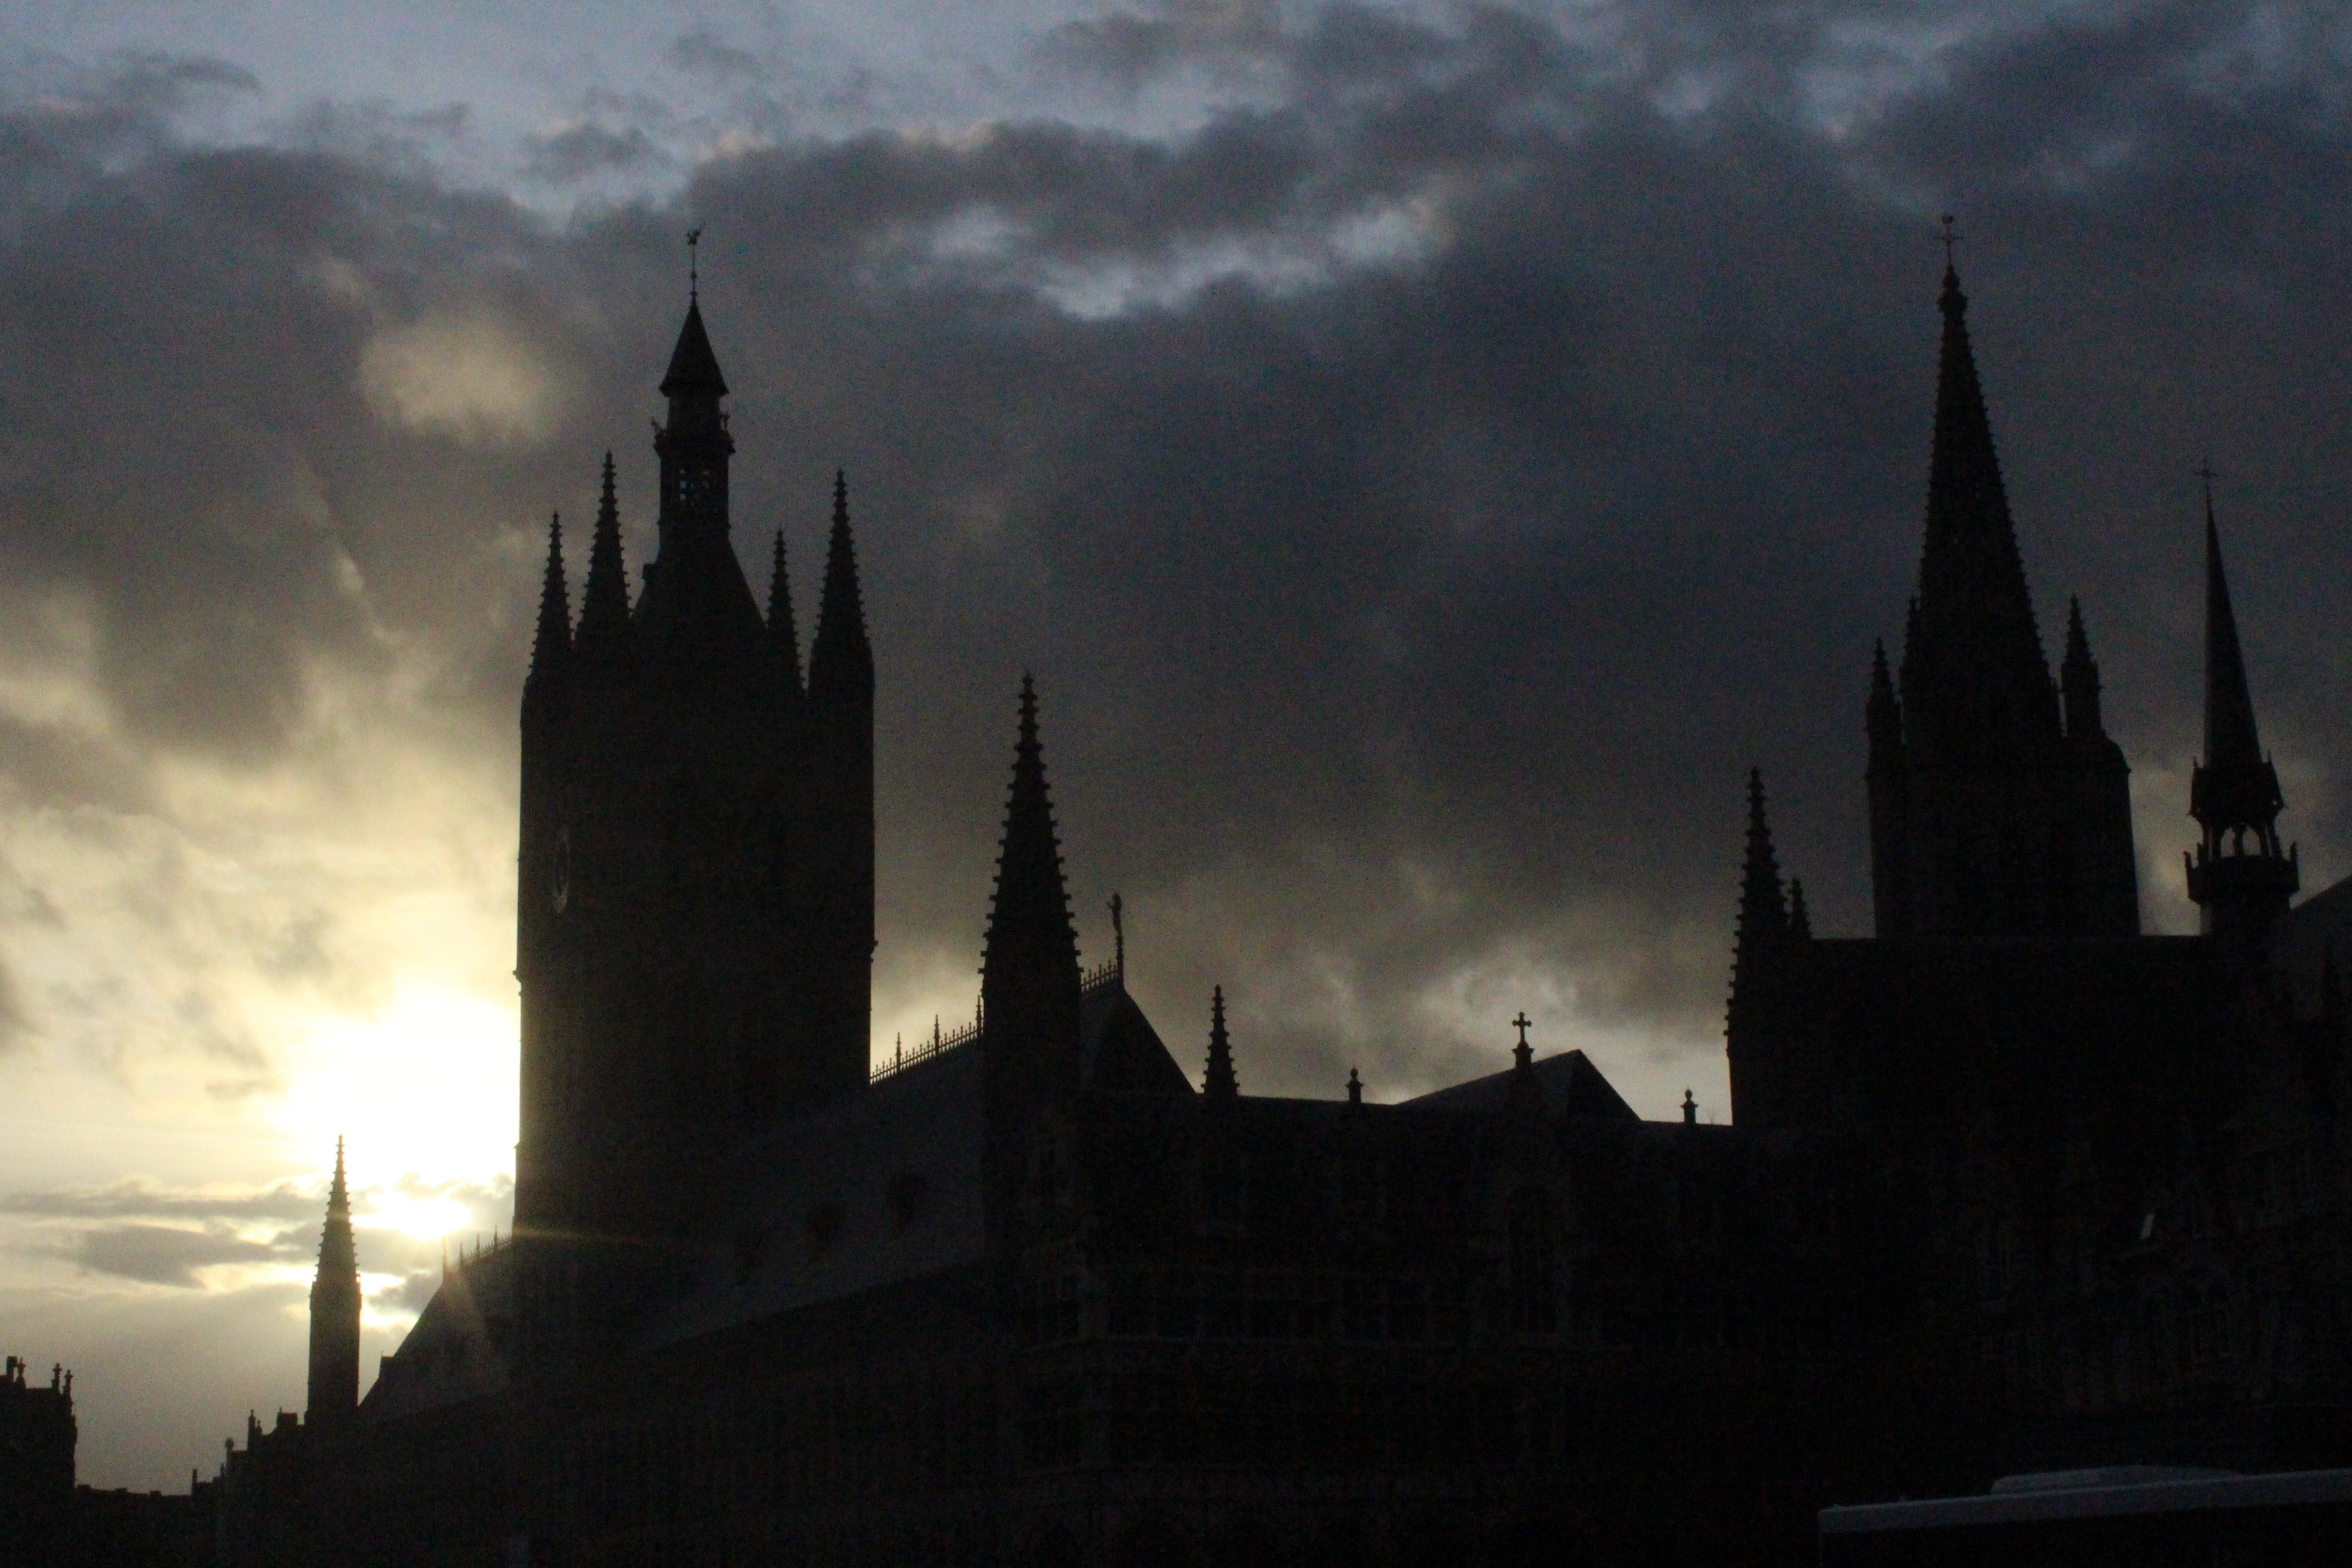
(335, 1312)
(695, 930)
(2238, 876)
(1991, 814)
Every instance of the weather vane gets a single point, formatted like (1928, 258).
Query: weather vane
(693, 277)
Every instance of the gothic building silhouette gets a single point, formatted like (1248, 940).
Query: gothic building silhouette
(2009, 1184)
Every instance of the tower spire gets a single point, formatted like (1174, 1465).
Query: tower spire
(1975, 684)
(1219, 1083)
(784, 634)
(334, 1387)
(550, 649)
(2240, 877)
(606, 640)
(841, 661)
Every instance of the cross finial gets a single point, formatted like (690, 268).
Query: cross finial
(2208, 473)
(1523, 1024)
(693, 273)
(1950, 238)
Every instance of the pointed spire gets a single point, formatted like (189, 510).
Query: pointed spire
(550, 649)
(1029, 925)
(1974, 678)
(784, 634)
(1219, 1083)
(2079, 678)
(1801, 924)
(339, 1195)
(840, 663)
(2232, 739)
(1763, 913)
(606, 641)
(1884, 718)
(693, 368)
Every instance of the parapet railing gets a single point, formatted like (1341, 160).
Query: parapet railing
(940, 1044)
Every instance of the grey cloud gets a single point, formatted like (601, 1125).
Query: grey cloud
(167, 1254)
(578, 152)
(134, 1198)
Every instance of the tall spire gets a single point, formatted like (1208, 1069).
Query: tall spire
(334, 1387)
(841, 662)
(1219, 1083)
(1801, 923)
(550, 649)
(2240, 876)
(605, 641)
(1976, 686)
(783, 634)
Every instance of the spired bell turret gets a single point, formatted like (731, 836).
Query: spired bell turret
(2239, 875)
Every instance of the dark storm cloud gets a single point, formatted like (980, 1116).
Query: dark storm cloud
(1421, 494)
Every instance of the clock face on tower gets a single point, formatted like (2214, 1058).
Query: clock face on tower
(558, 871)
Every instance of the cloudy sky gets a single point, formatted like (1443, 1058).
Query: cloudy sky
(1426, 452)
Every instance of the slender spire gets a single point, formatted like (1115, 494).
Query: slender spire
(1975, 683)
(2231, 741)
(2079, 676)
(605, 641)
(1885, 719)
(1801, 924)
(334, 1385)
(551, 650)
(2239, 875)
(1219, 1082)
(783, 634)
(1029, 925)
(841, 662)
(1763, 913)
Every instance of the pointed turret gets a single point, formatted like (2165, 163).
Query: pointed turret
(1030, 1064)
(841, 662)
(335, 1310)
(1032, 952)
(1975, 687)
(550, 649)
(701, 628)
(1219, 1083)
(2240, 877)
(1801, 923)
(2079, 677)
(606, 642)
(1763, 909)
(693, 372)
(784, 634)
